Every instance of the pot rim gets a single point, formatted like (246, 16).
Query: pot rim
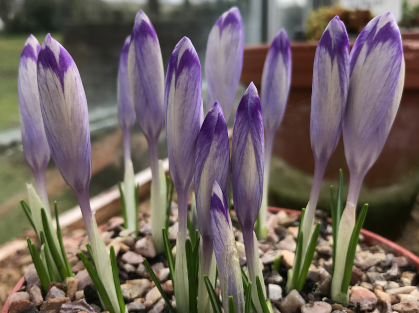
(370, 238)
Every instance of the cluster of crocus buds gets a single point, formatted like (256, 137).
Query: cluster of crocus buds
(357, 92)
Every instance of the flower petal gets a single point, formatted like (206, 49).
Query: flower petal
(247, 158)
(183, 102)
(225, 250)
(276, 79)
(146, 77)
(65, 115)
(34, 141)
(126, 112)
(330, 90)
(224, 60)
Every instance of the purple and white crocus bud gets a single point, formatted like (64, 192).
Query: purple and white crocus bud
(212, 162)
(126, 116)
(224, 60)
(146, 76)
(376, 83)
(276, 81)
(328, 103)
(226, 251)
(247, 174)
(183, 102)
(34, 141)
(66, 121)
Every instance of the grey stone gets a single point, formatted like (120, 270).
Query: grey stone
(79, 294)
(275, 292)
(152, 296)
(32, 278)
(374, 276)
(324, 248)
(173, 230)
(391, 285)
(288, 243)
(21, 305)
(406, 307)
(142, 271)
(145, 230)
(285, 219)
(77, 306)
(366, 299)
(323, 286)
(145, 247)
(132, 258)
(401, 290)
(365, 259)
(406, 298)
(316, 307)
(159, 307)
(393, 273)
(96, 308)
(137, 307)
(53, 305)
(84, 279)
(401, 261)
(54, 292)
(388, 260)
(128, 268)
(70, 285)
(21, 295)
(36, 296)
(164, 274)
(292, 302)
(133, 289)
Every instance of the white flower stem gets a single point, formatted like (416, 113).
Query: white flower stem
(181, 275)
(129, 195)
(158, 205)
(207, 266)
(41, 187)
(84, 203)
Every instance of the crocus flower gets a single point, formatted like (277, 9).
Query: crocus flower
(276, 79)
(66, 121)
(247, 172)
(225, 250)
(146, 76)
(34, 141)
(212, 162)
(224, 60)
(183, 102)
(328, 102)
(375, 88)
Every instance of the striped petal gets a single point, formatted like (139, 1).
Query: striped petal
(247, 158)
(64, 111)
(126, 112)
(224, 60)
(276, 79)
(225, 250)
(34, 141)
(146, 76)
(330, 90)
(183, 102)
(375, 88)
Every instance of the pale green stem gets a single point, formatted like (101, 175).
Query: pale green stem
(129, 195)
(206, 267)
(41, 187)
(84, 203)
(181, 275)
(126, 134)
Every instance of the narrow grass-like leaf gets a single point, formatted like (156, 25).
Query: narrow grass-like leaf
(298, 256)
(90, 252)
(28, 213)
(39, 266)
(116, 281)
(246, 283)
(169, 201)
(158, 285)
(350, 256)
(231, 305)
(123, 208)
(43, 259)
(137, 198)
(212, 296)
(269, 304)
(337, 211)
(56, 254)
(230, 205)
(48, 258)
(98, 283)
(190, 228)
(191, 264)
(261, 295)
(277, 263)
(60, 240)
(308, 258)
(248, 298)
(169, 256)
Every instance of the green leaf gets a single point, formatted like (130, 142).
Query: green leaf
(48, 258)
(123, 208)
(28, 213)
(190, 229)
(248, 297)
(39, 266)
(157, 283)
(246, 282)
(298, 256)
(169, 256)
(60, 240)
(308, 258)
(337, 211)
(56, 254)
(230, 196)
(261, 295)
(350, 256)
(169, 202)
(277, 263)
(212, 296)
(191, 264)
(90, 252)
(231, 305)
(137, 198)
(116, 281)
(98, 283)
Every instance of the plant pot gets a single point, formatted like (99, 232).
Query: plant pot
(390, 187)
(370, 238)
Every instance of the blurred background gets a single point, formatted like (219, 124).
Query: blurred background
(93, 31)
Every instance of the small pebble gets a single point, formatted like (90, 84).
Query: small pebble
(292, 302)
(316, 307)
(54, 292)
(136, 307)
(364, 297)
(36, 296)
(275, 292)
(132, 258)
(17, 296)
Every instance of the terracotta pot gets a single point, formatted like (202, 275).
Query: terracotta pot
(370, 238)
(292, 143)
